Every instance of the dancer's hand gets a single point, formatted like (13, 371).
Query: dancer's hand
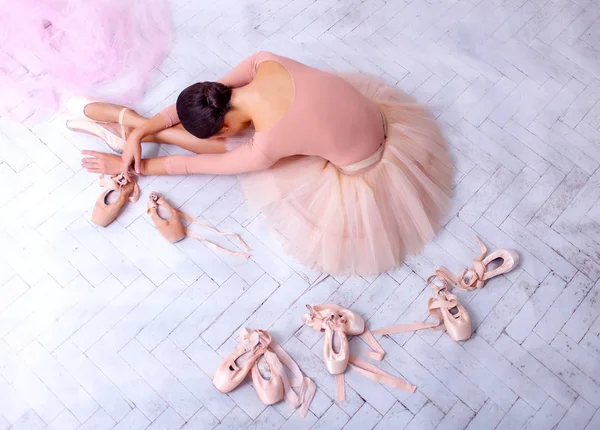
(132, 153)
(101, 162)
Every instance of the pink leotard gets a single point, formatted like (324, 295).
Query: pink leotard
(328, 118)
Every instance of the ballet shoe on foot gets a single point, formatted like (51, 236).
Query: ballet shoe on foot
(104, 212)
(171, 229)
(230, 372)
(474, 278)
(84, 124)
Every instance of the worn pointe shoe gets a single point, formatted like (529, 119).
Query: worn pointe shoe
(171, 229)
(445, 307)
(84, 124)
(104, 212)
(229, 374)
(482, 271)
(269, 391)
(336, 361)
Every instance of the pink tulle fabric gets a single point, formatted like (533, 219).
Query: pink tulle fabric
(50, 49)
(368, 222)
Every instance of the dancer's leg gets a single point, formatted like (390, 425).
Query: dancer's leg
(176, 135)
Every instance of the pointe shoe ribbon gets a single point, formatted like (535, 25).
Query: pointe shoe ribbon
(229, 374)
(342, 321)
(451, 316)
(474, 278)
(307, 388)
(210, 244)
(257, 344)
(127, 188)
(173, 229)
(116, 182)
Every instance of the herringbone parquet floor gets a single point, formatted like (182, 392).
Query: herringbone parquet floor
(115, 328)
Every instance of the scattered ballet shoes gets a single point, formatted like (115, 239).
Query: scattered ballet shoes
(104, 212)
(445, 307)
(338, 322)
(173, 229)
(258, 345)
(84, 124)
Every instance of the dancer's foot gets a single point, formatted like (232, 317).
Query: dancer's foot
(99, 118)
(106, 112)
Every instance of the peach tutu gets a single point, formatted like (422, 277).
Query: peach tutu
(363, 219)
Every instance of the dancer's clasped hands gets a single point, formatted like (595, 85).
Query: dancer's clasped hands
(130, 162)
(132, 155)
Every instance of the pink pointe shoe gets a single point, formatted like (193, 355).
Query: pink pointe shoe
(354, 325)
(340, 322)
(171, 229)
(270, 391)
(84, 124)
(445, 307)
(230, 374)
(474, 278)
(257, 344)
(336, 361)
(104, 212)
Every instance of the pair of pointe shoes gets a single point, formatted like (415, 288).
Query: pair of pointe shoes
(256, 346)
(173, 230)
(445, 307)
(127, 188)
(339, 322)
(84, 124)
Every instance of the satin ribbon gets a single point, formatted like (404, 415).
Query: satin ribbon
(114, 183)
(307, 388)
(315, 321)
(473, 275)
(155, 202)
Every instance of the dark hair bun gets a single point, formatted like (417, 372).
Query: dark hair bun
(201, 108)
(218, 96)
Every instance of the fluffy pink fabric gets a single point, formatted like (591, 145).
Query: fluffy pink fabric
(369, 222)
(55, 48)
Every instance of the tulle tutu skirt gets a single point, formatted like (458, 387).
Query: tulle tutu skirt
(55, 48)
(367, 218)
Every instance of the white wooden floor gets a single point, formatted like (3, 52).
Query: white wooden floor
(114, 327)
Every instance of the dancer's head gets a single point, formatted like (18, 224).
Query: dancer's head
(204, 110)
